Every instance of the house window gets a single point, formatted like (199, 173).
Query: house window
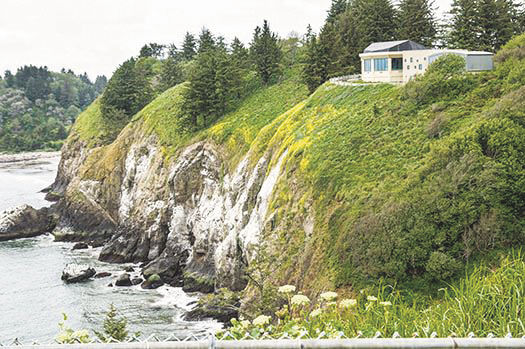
(411, 59)
(367, 65)
(421, 67)
(397, 63)
(408, 67)
(380, 64)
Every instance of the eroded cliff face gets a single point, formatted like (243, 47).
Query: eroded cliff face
(188, 218)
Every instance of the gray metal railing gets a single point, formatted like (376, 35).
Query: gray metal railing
(226, 341)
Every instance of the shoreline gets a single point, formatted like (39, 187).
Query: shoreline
(28, 157)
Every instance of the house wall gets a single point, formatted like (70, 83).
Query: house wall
(390, 76)
(415, 63)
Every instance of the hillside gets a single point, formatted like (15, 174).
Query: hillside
(338, 189)
(37, 106)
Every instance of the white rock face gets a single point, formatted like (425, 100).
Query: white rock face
(189, 215)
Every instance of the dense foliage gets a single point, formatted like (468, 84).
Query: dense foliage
(38, 106)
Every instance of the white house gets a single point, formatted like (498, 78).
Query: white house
(400, 61)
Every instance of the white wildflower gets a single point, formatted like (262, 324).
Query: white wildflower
(348, 303)
(328, 296)
(261, 320)
(371, 298)
(300, 299)
(287, 289)
(316, 313)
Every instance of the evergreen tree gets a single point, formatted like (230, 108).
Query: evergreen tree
(206, 41)
(100, 83)
(171, 74)
(174, 53)
(127, 92)
(416, 22)
(265, 52)
(152, 50)
(375, 21)
(337, 8)
(214, 85)
(189, 47)
(464, 25)
(240, 54)
(507, 22)
(9, 79)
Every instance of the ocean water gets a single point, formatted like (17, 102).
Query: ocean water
(33, 298)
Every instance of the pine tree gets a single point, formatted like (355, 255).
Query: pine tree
(9, 79)
(206, 41)
(213, 87)
(240, 54)
(507, 22)
(375, 21)
(416, 21)
(464, 26)
(337, 8)
(265, 52)
(127, 92)
(189, 47)
(170, 74)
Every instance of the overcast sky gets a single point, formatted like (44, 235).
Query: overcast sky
(97, 35)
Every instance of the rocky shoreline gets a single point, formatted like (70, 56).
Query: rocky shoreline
(28, 157)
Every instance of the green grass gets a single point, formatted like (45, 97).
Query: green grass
(234, 131)
(487, 300)
(95, 130)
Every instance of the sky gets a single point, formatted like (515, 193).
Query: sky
(95, 36)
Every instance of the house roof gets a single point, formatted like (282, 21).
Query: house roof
(392, 46)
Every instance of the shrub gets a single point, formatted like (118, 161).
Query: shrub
(441, 266)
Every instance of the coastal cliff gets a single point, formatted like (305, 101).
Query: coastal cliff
(337, 189)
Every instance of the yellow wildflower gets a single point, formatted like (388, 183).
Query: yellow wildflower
(245, 323)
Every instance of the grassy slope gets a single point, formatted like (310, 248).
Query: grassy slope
(402, 187)
(397, 185)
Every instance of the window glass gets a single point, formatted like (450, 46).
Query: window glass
(397, 63)
(380, 64)
(411, 59)
(421, 67)
(408, 67)
(368, 65)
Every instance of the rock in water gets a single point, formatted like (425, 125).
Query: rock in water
(74, 273)
(25, 222)
(80, 246)
(103, 274)
(136, 281)
(154, 281)
(123, 280)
